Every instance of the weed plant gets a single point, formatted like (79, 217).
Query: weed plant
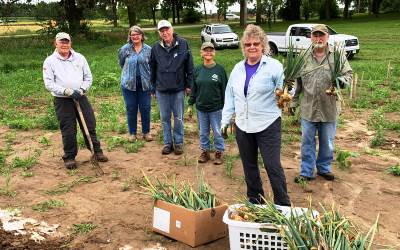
(342, 158)
(48, 205)
(83, 228)
(229, 162)
(394, 170)
(133, 147)
(67, 187)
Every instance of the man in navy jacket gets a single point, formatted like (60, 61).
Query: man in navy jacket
(171, 65)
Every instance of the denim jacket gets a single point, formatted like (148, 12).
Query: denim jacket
(258, 110)
(128, 59)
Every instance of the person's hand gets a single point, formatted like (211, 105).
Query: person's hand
(190, 112)
(82, 92)
(292, 111)
(76, 95)
(224, 131)
(68, 92)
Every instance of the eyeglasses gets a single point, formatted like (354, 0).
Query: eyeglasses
(248, 45)
(136, 34)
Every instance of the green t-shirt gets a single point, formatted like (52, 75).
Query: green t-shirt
(208, 90)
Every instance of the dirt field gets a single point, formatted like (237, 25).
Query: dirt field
(125, 218)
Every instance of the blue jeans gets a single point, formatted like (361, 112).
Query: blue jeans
(134, 101)
(213, 119)
(326, 136)
(171, 103)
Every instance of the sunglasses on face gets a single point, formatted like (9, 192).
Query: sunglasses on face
(248, 45)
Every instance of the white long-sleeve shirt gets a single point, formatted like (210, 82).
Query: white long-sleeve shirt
(258, 110)
(60, 73)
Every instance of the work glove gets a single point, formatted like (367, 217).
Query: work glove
(224, 131)
(75, 94)
(190, 112)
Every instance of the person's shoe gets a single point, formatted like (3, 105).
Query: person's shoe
(70, 163)
(302, 178)
(218, 158)
(147, 137)
(101, 157)
(327, 176)
(167, 149)
(132, 138)
(178, 149)
(204, 156)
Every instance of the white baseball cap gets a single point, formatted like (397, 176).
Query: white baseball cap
(164, 23)
(63, 35)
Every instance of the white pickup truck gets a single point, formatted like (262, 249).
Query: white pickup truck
(300, 35)
(220, 35)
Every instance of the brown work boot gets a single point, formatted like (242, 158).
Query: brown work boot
(218, 158)
(167, 149)
(204, 156)
(327, 176)
(101, 157)
(178, 149)
(70, 163)
(147, 137)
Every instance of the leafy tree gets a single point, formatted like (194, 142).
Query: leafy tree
(391, 5)
(329, 9)
(291, 11)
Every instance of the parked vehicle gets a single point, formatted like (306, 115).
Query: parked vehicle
(231, 16)
(220, 35)
(300, 35)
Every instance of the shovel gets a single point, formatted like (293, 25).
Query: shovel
(93, 158)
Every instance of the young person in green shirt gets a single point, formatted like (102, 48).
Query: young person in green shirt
(208, 92)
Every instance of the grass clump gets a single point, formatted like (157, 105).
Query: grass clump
(47, 205)
(67, 187)
(394, 170)
(229, 162)
(83, 228)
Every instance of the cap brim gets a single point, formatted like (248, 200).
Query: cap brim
(164, 27)
(207, 47)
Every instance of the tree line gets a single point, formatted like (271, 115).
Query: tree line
(69, 14)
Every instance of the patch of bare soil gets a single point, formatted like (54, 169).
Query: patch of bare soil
(124, 218)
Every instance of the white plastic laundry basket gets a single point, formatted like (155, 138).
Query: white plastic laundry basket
(257, 236)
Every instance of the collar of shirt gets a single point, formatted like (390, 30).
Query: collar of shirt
(70, 58)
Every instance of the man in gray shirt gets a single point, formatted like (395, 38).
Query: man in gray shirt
(319, 111)
(67, 76)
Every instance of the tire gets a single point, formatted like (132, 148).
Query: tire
(202, 39)
(273, 50)
(215, 45)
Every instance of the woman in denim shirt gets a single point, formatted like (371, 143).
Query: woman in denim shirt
(135, 81)
(250, 95)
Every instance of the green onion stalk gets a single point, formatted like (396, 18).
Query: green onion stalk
(336, 70)
(182, 194)
(293, 65)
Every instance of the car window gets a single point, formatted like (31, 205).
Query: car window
(305, 32)
(208, 29)
(222, 29)
(293, 31)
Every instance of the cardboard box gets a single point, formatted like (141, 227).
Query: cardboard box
(191, 227)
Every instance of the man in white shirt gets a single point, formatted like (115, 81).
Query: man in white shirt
(67, 76)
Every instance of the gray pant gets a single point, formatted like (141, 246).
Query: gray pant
(67, 115)
(269, 143)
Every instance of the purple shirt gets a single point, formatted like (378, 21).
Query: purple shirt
(250, 70)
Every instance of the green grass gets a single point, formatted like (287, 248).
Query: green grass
(394, 170)
(25, 104)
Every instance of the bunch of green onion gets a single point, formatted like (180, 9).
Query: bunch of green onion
(183, 194)
(327, 231)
